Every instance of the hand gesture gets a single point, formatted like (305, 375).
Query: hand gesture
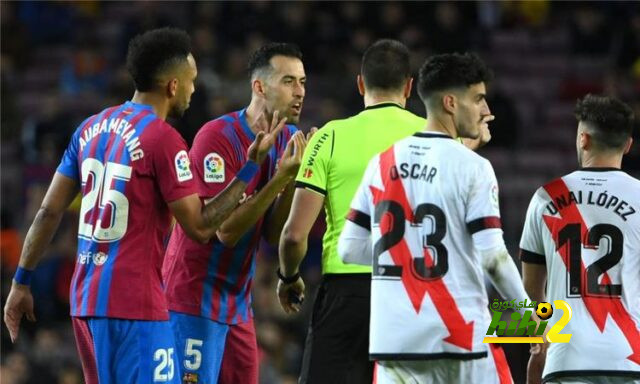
(311, 132)
(483, 138)
(292, 156)
(19, 302)
(291, 295)
(267, 134)
(485, 133)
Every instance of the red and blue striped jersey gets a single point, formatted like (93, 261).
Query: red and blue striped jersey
(130, 164)
(211, 280)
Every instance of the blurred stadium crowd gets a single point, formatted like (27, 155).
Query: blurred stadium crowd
(62, 61)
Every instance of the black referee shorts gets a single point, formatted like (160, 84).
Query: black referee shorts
(337, 346)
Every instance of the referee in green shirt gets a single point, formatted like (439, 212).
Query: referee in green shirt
(337, 345)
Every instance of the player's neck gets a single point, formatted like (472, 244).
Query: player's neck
(158, 103)
(372, 98)
(601, 161)
(253, 110)
(435, 123)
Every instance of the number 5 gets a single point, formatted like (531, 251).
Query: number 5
(190, 351)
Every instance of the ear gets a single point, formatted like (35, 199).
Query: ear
(360, 82)
(407, 88)
(584, 140)
(257, 86)
(172, 87)
(627, 147)
(449, 103)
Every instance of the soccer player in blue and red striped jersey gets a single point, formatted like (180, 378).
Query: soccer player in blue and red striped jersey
(208, 286)
(133, 171)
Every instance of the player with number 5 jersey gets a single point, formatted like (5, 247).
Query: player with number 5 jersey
(581, 238)
(133, 172)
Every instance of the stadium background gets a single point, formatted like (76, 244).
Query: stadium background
(62, 61)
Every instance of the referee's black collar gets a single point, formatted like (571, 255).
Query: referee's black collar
(599, 169)
(432, 134)
(383, 105)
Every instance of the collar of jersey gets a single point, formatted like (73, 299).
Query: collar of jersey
(383, 105)
(433, 134)
(242, 116)
(138, 106)
(599, 169)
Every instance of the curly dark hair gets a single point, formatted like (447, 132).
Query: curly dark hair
(451, 70)
(609, 120)
(155, 51)
(262, 57)
(385, 65)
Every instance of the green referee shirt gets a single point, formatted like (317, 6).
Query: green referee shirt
(334, 162)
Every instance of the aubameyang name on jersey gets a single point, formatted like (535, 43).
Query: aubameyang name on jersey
(415, 171)
(114, 126)
(602, 199)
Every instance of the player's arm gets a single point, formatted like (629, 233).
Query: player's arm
(60, 194)
(354, 245)
(483, 222)
(534, 276)
(246, 215)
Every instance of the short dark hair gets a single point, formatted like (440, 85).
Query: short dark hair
(451, 70)
(386, 65)
(262, 57)
(609, 119)
(155, 51)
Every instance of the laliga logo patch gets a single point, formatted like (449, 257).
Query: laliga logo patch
(99, 258)
(213, 168)
(182, 166)
(494, 196)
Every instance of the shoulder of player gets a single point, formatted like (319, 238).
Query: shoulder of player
(217, 127)
(159, 130)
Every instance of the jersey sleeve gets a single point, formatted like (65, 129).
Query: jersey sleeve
(483, 209)
(361, 206)
(313, 173)
(215, 159)
(171, 166)
(531, 244)
(69, 164)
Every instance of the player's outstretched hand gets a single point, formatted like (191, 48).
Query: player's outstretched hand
(291, 295)
(292, 156)
(261, 145)
(485, 135)
(19, 303)
(311, 132)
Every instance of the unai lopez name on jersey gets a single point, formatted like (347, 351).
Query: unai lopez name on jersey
(603, 199)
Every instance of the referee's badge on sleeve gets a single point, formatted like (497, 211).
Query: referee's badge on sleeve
(213, 168)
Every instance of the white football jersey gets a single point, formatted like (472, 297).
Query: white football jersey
(423, 199)
(585, 227)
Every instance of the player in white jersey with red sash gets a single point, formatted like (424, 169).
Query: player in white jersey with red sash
(582, 238)
(427, 213)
